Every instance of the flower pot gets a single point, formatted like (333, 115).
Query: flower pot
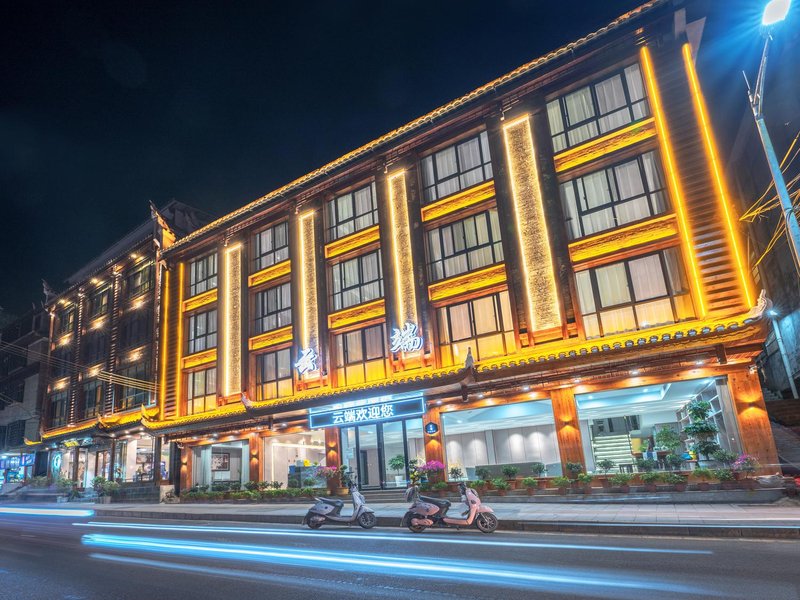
(453, 486)
(680, 487)
(728, 485)
(103, 500)
(562, 491)
(747, 484)
(530, 490)
(604, 481)
(703, 486)
(737, 475)
(442, 493)
(512, 484)
(650, 487)
(501, 492)
(587, 490)
(577, 486)
(624, 489)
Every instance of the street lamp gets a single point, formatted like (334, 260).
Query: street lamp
(774, 12)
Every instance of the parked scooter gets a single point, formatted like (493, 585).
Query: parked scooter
(329, 510)
(432, 512)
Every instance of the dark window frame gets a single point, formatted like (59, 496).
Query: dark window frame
(202, 342)
(263, 382)
(66, 321)
(459, 228)
(99, 303)
(274, 255)
(336, 228)
(208, 399)
(210, 281)
(281, 314)
(59, 399)
(94, 407)
(430, 192)
(131, 397)
(502, 328)
(140, 279)
(337, 298)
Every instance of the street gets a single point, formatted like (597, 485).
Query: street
(78, 556)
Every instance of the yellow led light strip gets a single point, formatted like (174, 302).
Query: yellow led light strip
(469, 282)
(627, 136)
(652, 230)
(352, 241)
(405, 290)
(309, 332)
(200, 358)
(711, 152)
(271, 338)
(179, 343)
(357, 314)
(469, 197)
(232, 332)
(200, 300)
(675, 188)
(164, 344)
(544, 311)
(272, 272)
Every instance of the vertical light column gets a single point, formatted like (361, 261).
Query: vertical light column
(719, 181)
(179, 344)
(163, 344)
(232, 325)
(307, 364)
(539, 280)
(665, 146)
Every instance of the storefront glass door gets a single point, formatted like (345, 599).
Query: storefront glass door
(394, 455)
(369, 461)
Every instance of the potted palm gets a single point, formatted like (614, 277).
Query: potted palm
(704, 475)
(622, 482)
(562, 483)
(530, 484)
(501, 486)
(510, 473)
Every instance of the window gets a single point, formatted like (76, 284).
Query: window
(357, 280)
(10, 362)
(58, 409)
(12, 391)
(274, 375)
(140, 280)
(66, 321)
(136, 328)
(133, 393)
(464, 246)
(15, 433)
(634, 294)
(92, 398)
(456, 168)
(273, 308)
(202, 331)
(598, 108)
(483, 325)
(613, 197)
(98, 303)
(351, 212)
(271, 246)
(361, 356)
(61, 361)
(94, 347)
(202, 275)
(202, 391)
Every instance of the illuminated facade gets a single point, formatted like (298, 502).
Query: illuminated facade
(544, 270)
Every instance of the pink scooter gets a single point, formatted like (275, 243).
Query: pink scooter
(430, 512)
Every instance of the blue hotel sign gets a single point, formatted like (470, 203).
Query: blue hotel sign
(381, 411)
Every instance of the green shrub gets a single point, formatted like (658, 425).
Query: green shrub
(479, 483)
(530, 482)
(646, 464)
(673, 478)
(252, 486)
(605, 465)
(621, 479)
(483, 473)
(703, 474)
(111, 488)
(561, 482)
(537, 469)
(673, 460)
(723, 474)
(510, 471)
(724, 457)
(439, 485)
(574, 467)
(668, 438)
(456, 473)
(650, 477)
(500, 484)
(584, 478)
(97, 485)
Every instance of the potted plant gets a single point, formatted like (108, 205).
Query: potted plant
(668, 439)
(111, 489)
(573, 468)
(433, 470)
(676, 479)
(646, 465)
(530, 484)
(743, 467)
(704, 432)
(484, 474)
(441, 488)
(725, 477)
(622, 482)
(480, 485)
(604, 466)
(500, 485)
(456, 474)
(332, 477)
(673, 461)
(724, 457)
(649, 479)
(398, 465)
(562, 483)
(704, 475)
(510, 473)
(537, 469)
(585, 480)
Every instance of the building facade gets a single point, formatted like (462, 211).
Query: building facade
(23, 365)
(546, 270)
(103, 359)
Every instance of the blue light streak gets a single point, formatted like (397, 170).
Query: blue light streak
(431, 539)
(482, 572)
(47, 512)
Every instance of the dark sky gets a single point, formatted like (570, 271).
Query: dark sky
(105, 106)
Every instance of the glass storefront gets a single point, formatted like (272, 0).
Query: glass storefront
(623, 426)
(512, 434)
(134, 459)
(224, 464)
(292, 459)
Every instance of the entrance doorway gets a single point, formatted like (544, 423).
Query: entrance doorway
(376, 451)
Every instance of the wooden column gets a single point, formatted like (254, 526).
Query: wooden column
(434, 447)
(255, 450)
(755, 432)
(333, 456)
(568, 432)
(186, 468)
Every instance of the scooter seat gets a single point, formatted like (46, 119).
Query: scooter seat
(332, 501)
(437, 501)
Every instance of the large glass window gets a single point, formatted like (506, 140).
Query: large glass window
(361, 356)
(634, 294)
(94, 347)
(292, 459)
(598, 108)
(98, 303)
(66, 321)
(457, 167)
(201, 391)
(351, 212)
(225, 465)
(271, 246)
(202, 331)
(274, 375)
(134, 392)
(140, 280)
(92, 398)
(464, 246)
(627, 192)
(483, 325)
(519, 434)
(357, 280)
(136, 328)
(273, 308)
(622, 426)
(58, 409)
(61, 362)
(202, 274)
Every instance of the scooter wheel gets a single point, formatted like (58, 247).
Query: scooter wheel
(314, 524)
(367, 520)
(486, 522)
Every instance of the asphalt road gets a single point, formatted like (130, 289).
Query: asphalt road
(83, 557)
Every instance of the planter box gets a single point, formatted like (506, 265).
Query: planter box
(703, 486)
(103, 500)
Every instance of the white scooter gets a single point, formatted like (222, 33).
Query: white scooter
(329, 510)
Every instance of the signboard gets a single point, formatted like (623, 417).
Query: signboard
(307, 363)
(356, 415)
(12, 462)
(405, 339)
(431, 429)
(27, 460)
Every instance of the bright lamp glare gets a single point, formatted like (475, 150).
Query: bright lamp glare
(775, 12)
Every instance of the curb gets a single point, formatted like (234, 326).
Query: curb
(634, 529)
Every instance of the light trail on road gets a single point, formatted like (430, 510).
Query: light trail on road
(47, 512)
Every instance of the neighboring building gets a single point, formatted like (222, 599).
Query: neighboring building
(543, 270)
(750, 174)
(23, 362)
(102, 360)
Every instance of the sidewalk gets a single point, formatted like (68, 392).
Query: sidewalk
(781, 519)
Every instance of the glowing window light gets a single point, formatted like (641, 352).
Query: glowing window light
(675, 188)
(722, 192)
(232, 333)
(309, 327)
(537, 262)
(406, 309)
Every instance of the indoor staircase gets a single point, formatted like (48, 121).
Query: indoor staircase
(613, 447)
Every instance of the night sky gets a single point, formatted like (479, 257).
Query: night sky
(106, 106)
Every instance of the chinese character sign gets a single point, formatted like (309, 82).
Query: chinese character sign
(307, 361)
(406, 339)
(368, 413)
